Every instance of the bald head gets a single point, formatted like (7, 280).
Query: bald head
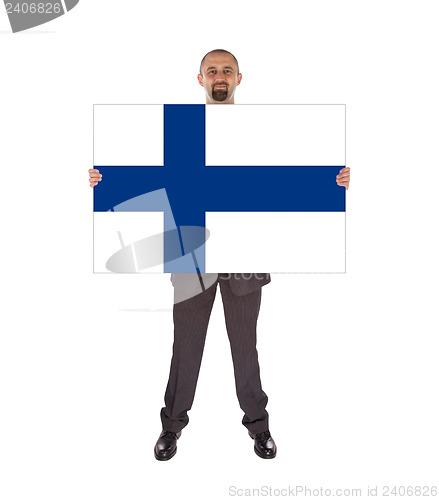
(218, 51)
(219, 75)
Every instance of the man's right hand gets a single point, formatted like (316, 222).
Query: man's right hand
(95, 177)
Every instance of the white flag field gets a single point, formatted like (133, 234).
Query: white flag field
(240, 188)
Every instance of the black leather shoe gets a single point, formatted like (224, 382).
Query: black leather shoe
(166, 446)
(265, 447)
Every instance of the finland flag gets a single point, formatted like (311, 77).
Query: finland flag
(238, 188)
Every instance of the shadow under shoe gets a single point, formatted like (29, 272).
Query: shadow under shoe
(166, 446)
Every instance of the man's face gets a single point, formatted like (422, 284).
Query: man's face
(220, 78)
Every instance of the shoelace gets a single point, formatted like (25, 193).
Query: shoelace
(170, 434)
(263, 435)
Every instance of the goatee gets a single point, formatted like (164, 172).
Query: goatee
(220, 95)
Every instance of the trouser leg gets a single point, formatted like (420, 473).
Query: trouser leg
(191, 319)
(241, 314)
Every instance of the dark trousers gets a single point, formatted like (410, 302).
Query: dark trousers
(191, 318)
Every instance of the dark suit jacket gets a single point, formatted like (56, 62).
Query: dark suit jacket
(187, 284)
(243, 283)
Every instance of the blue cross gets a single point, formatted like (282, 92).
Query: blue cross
(194, 188)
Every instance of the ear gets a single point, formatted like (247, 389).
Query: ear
(200, 80)
(239, 79)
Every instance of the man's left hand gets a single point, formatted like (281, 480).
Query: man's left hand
(343, 177)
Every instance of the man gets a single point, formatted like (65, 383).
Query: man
(241, 294)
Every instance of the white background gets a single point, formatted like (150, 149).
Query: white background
(349, 362)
